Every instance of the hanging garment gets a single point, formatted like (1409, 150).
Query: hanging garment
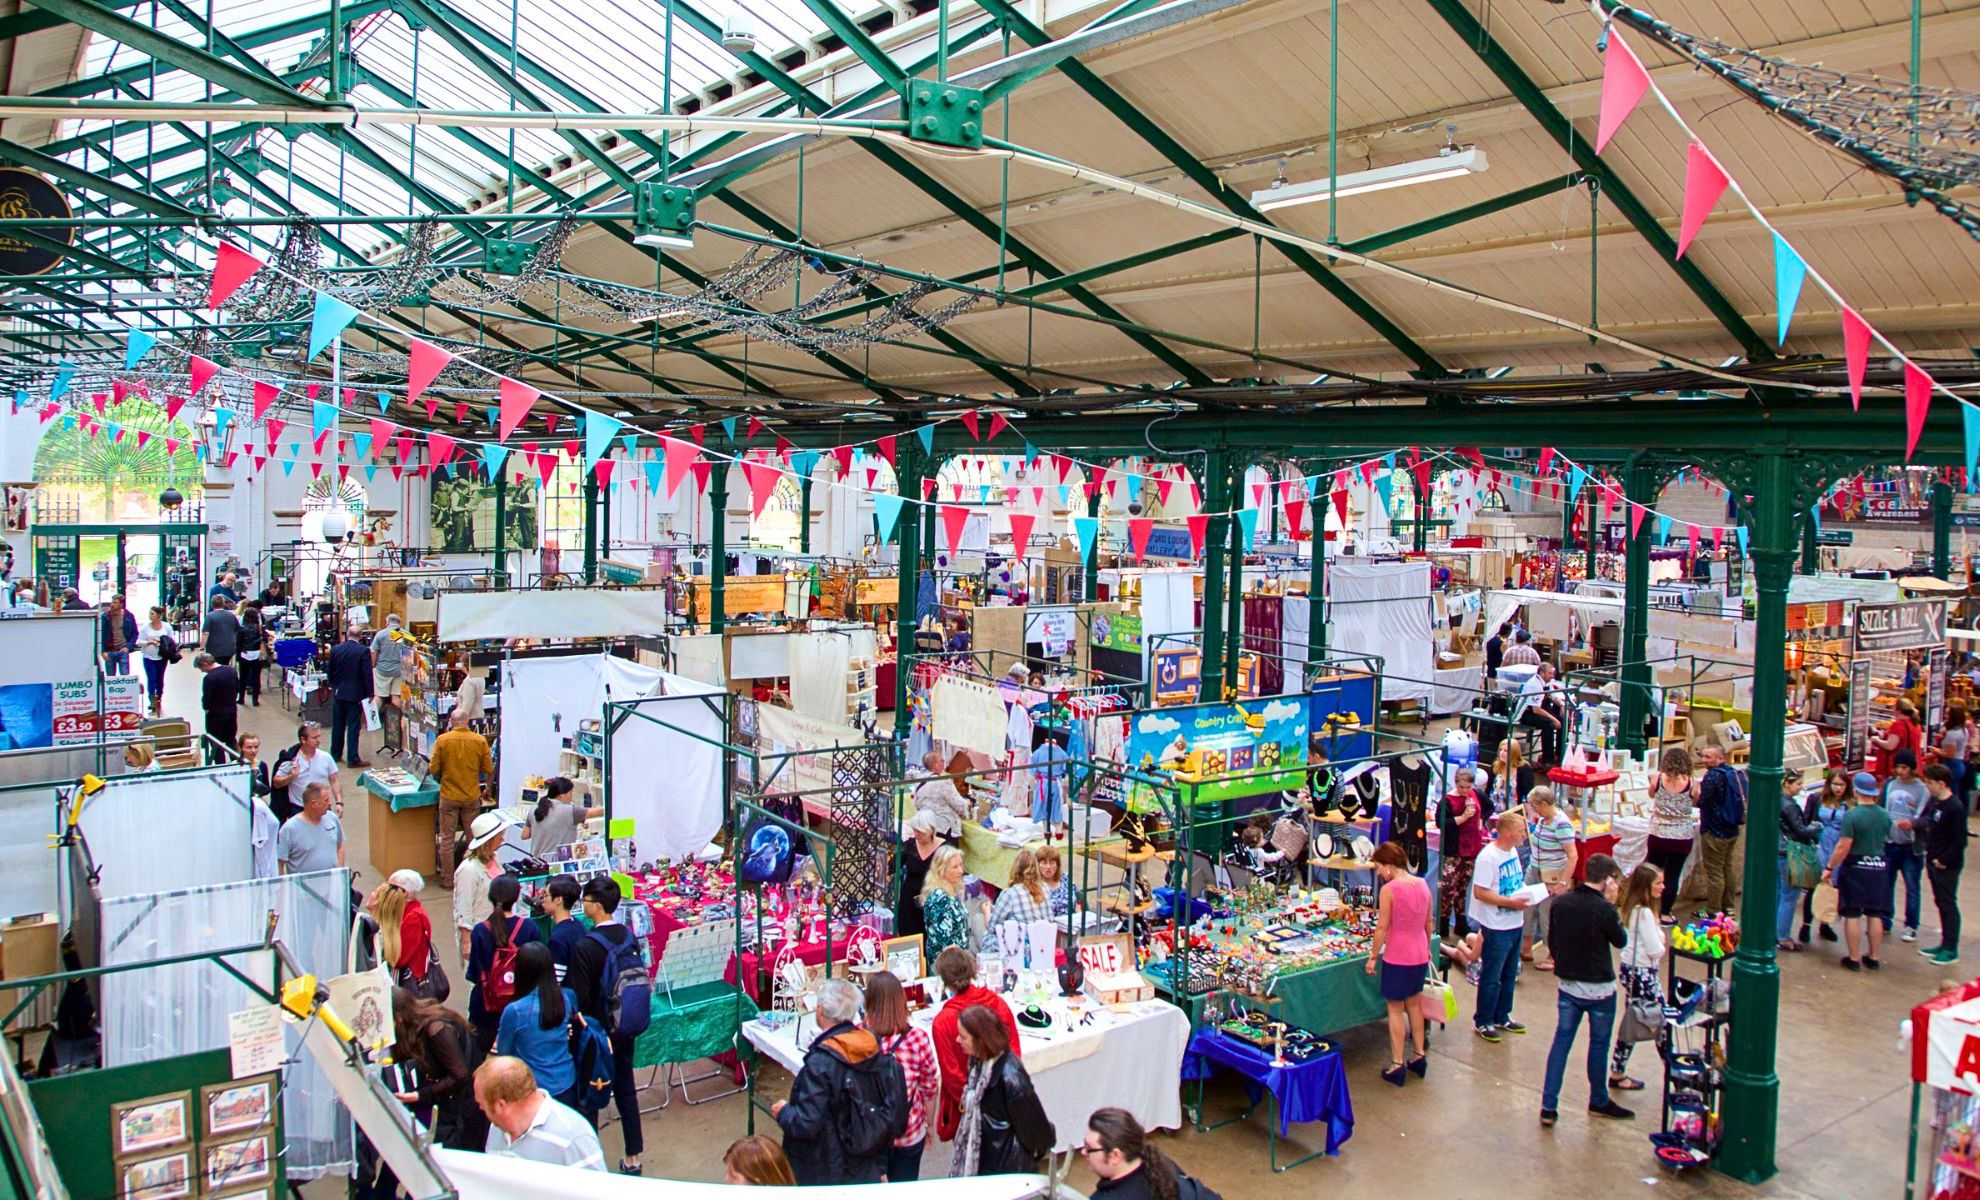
(1017, 730)
(1263, 617)
(1048, 783)
(1409, 786)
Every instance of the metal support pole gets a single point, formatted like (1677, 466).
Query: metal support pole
(1752, 1099)
(1234, 594)
(1316, 594)
(1424, 490)
(1941, 529)
(1217, 502)
(804, 515)
(590, 493)
(501, 530)
(909, 472)
(1089, 571)
(604, 518)
(718, 545)
(1639, 487)
(1811, 556)
(1588, 533)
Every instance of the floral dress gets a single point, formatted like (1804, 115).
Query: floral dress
(944, 924)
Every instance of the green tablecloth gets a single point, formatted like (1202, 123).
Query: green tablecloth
(988, 859)
(1323, 1000)
(695, 1023)
(427, 795)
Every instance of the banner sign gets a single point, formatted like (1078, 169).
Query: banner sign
(1902, 625)
(1178, 675)
(25, 194)
(1171, 543)
(1116, 631)
(1224, 751)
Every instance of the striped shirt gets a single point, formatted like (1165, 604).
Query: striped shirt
(1521, 654)
(923, 1075)
(1551, 838)
(556, 1134)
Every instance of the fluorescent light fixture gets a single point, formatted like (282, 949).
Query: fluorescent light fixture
(678, 241)
(1468, 161)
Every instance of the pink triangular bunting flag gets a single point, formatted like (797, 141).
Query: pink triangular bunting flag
(1623, 83)
(1704, 182)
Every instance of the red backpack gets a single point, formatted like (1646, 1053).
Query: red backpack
(498, 986)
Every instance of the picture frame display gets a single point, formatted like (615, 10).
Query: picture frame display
(165, 1176)
(264, 1192)
(233, 1164)
(153, 1123)
(238, 1106)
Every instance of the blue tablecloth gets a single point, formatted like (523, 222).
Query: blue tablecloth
(1315, 1090)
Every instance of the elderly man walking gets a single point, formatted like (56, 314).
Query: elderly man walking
(849, 1100)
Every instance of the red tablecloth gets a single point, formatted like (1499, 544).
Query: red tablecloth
(1604, 843)
(749, 964)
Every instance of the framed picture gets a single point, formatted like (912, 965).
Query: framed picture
(139, 1126)
(162, 1177)
(234, 1164)
(903, 957)
(264, 1192)
(239, 1106)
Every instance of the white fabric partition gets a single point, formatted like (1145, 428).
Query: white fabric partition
(555, 614)
(818, 664)
(545, 699)
(165, 1011)
(1383, 609)
(698, 656)
(165, 831)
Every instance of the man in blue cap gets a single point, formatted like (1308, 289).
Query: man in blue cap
(1861, 875)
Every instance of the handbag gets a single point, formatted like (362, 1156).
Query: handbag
(1437, 1002)
(1825, 903)
(1640, 1020)
(435, 987)
(1804, 865)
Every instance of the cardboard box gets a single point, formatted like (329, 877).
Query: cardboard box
(30, 946)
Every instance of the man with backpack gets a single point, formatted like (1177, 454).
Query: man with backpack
(614, 988)
(848, 1102)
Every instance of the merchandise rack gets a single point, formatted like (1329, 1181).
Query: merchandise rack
(1706, 1080)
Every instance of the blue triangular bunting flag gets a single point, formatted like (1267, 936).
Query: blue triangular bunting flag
(1248, 521)
(136, 346)
(493, 456)
(1971, 417)
(1741, 531)
(222, 417)
(1789, 271)
(384, 401)
(927, 435)
(330, 318)
(324, 417)
(599, 430)
(1085, 529)
(887, 511)
(729, 427)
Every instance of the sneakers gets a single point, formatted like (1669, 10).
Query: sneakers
(1931, 951)
(1946, 958)
(1909, 935)
(1548, 1116)
(1487, 1033)
(1512, 1027)
(1612, 1110)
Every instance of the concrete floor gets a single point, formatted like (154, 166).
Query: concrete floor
(1471, 1128)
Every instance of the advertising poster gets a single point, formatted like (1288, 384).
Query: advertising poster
(1224, 750)
(1178, 675)
(1116, 631)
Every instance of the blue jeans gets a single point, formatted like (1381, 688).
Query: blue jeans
(1789, 907)
(1498, 974)
(116, 662)
(1906, 861)
(1601, 1024)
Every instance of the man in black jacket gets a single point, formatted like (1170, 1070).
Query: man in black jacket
(1583, 929)
(586, 977)
(814, 1118)
(350, 686)
(1941, 831)
(219, 696)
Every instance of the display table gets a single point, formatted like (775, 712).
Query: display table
(1131, 1059)
(693, 1023)
(1324, 999)
(1315, 1090)
(987, 858)
(401, 824)
(743, 968)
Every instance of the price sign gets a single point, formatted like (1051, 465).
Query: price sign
(1102, 957)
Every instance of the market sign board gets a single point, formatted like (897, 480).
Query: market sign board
(1178, 675)
(1224, 751)
(1116, 631)
(1902, 625)
(1170, 543)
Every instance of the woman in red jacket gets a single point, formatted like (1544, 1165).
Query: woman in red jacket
(957, 967)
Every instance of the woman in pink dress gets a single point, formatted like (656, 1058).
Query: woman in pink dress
(1401, 952)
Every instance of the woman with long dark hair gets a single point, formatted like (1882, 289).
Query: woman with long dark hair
(1004, 1129)
(534, 1027)
(555, 819)
(438, 1041)
(1129, 1164)
(255, 645)
(496, 941)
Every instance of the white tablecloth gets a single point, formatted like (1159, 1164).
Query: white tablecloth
(1136, 1065)
(1455, 690)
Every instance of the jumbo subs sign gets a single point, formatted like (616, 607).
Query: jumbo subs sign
(1904, 625)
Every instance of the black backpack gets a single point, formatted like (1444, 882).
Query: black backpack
(874, 1108)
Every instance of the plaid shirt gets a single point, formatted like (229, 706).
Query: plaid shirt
(1014, 903)
(916, 1054)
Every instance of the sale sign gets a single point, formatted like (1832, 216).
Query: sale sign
(1950, 1040)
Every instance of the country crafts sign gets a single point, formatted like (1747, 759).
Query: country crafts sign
(1224, 751)
(1901, 625)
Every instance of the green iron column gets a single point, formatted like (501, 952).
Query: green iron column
(1316, 592)
(1639, 487)
(1234, 593)
(908, 472)
(1424, 490)
(1941, 529)
(1752, 1100)
(718, 545)
(1089, 571)
(1811, 557)
(604, 516)
(1589, 534)
(1216, 502)
(501, 530)
(804, 514)
(590, 493)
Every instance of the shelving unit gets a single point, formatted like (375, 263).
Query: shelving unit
(862, 692)
(1700, 1082)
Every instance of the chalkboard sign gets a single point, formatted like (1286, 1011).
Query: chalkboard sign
(24, 194)
(1859, 712)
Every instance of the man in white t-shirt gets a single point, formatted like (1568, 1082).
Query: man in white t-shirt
(1498, 912)
(1544, 707)
(310, 763)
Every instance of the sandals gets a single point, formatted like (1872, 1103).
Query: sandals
(1625, 1083)
(1419, 1066)
(1545, 964)
(1396, 1074)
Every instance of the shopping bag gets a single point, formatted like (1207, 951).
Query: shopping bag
(1437, 1002)
(372, 720)
(1804, 865)
(1825, 903)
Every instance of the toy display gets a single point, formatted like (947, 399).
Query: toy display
(1715, 937)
